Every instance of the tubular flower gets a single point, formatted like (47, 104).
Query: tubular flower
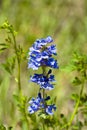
(50, 108)
(40, 55)
(43, 81)
(40, 103)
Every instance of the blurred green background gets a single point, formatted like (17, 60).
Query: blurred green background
(66, 22)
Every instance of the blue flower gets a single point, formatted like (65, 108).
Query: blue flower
(40, 103)
(33, 64)
(51, 62)
(44, 41)
(50, 108)
(43, 81)
(45, 55)
(41, 55)
(35, 104)
(42, 59)
(51, 49)
(39, 43)
(49, 39)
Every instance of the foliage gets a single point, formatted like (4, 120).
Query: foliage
(66, 22)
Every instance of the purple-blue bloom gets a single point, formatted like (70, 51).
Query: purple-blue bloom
(35, 104)
(41, 55)
(50, 108)
(40, 103)
(52, 49)
(43, 41)
(39, 43)
(43, 81)
(51, 62)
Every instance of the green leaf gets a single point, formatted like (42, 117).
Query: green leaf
(8, 39)
(9, 65)
(2, 127)
(75, 127)
(76, 81)
(74, 97)
(16, 97)
(3, 46)
(32, 117)
(10, 128)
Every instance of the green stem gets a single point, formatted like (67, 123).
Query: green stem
(19, 79)
(43, 126)
(26, 118)
(76, 108)
(18, 61)
(44, 73)
(43, 94)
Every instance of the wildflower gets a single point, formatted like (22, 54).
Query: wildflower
(35, 104)
(52, 49)
(43, 81)
(41, 55)
(51, 62)
(39, 103)
(50, 108)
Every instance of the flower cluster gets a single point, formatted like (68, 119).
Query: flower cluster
(38, 103)
(40, 55)
(43, 81)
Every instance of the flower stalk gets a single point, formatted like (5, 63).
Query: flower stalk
(18, 60)
(40, 55)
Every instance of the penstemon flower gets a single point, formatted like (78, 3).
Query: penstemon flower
(40, 55)
(43, 81)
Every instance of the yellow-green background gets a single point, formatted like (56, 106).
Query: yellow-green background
(66, 22)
